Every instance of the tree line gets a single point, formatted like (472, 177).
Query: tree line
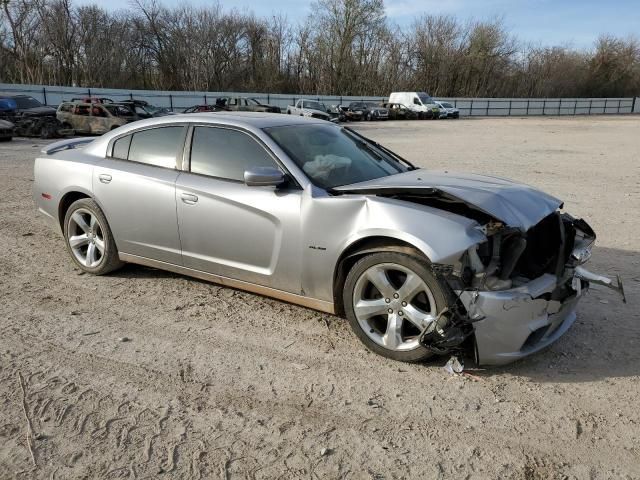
(343, 47)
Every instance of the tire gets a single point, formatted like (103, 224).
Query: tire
(86, 222)
(423, 306)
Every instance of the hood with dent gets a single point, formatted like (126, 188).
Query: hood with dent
(517, 205)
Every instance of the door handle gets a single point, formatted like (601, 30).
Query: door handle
(104, 178)
(189, 198)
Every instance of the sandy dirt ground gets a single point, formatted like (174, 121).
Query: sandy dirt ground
(217, 383)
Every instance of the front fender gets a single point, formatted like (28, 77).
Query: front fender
(334, 224)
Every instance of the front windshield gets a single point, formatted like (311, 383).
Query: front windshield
(332, 156)
(314, 105)
(253, 101)
(446, 105)
(27, 102)
(424, 98)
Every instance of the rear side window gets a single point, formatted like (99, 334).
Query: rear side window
(225, 153)
(156, 146)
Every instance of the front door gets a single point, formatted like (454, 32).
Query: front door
(136, 190)
(230, 229)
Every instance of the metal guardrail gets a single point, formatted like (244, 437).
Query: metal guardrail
(178, 101)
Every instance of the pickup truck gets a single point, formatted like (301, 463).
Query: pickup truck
(309, 108)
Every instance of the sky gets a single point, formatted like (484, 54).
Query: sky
(576, 23)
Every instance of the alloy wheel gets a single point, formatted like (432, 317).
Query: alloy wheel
(393, 306)
(86, 238)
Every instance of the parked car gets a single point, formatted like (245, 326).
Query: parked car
(144, 109)
(92, 100)
(419, 262)
(246, 104)
(7, 111)
(419, 102)
(309, 108)
(350, 115)
(206, 108)
(31, 118)
(336, 113)
(370, 110)
(398, 111)
(447, 110)
(94, 118)
(6, 130)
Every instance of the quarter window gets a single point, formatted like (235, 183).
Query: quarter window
(226, 153)
(121, 148)
(156, 146)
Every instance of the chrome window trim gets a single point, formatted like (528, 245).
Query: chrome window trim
(293, 182)
(179, 154)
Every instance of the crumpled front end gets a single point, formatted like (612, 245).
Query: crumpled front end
(518, 291)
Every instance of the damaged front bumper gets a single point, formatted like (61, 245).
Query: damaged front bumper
(511, 324)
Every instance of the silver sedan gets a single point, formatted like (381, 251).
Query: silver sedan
(419, 262)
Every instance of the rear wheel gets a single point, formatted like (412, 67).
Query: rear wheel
(89, 239)
(389, 299)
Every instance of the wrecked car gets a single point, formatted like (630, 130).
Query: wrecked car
(144, 109)
(218, 107)
(370, 110)
(94, 118)
(309, 108)
(7, 110)
(32, 119)
(336, 113)
(246, 104)
(398, 111)
(6, 130)
(350, 115)
(302, 210)
(92, 100)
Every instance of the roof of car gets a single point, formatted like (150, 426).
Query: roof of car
(247, 120)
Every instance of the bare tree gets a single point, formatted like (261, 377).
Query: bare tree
(343, 47)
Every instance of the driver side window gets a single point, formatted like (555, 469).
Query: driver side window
(226, 153)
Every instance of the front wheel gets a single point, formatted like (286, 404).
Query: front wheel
(89, 239)
(389, 299)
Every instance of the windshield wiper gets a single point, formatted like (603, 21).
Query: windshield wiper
(384, 149)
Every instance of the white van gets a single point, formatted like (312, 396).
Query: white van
(419, 102)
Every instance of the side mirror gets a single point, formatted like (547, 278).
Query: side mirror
(263, 177)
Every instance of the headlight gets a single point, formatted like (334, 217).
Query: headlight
(582, 253)
(584, 240)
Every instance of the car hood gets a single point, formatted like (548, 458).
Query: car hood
(517, 205)
(314, 111)
(6, 124)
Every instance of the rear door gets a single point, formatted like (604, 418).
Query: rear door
(135, 187)
(100, 120)
(228, 228)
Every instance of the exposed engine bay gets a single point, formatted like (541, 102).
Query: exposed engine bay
(533, 275)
